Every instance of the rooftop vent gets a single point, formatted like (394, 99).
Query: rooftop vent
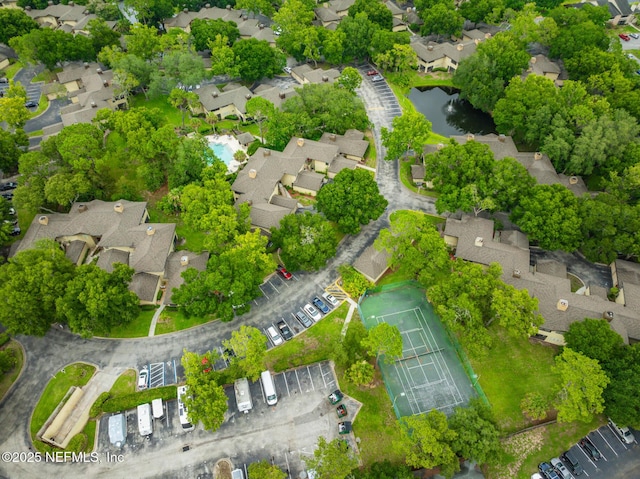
(50, 2)
(105, 83)
(253, 173)
(43, 220)
(266, 152)
(537, 155)
(82, 208)
(573, 180)
(332, 137)
(228, 7)
(283, 95)
(150, 230)
(516, 273)
(261, 26)
(185, 10)
(300, 142)
(248, 96)
(430, 48)
(502, 138)
(86, 64)
(184, 260)
(470, 137)
(479, 241)
(207, 5)
(118, 207)
(460, 47)
(439, 146)
(93, 104)
(71, 4)
(245, 17)
(99, 71)
(608, 315)
(27, 8)
(533, 59)
(325, 78)
(562, 305)
(214, 94)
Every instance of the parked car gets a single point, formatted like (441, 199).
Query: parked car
(624, 36)
(317, 302)
(287, 70)
(7, 195)
(31, 104)
(143, 378)
(590, 449)
(561, 469)
(546, 469)
(312, 312)
(12, 211)
(625, 435)
(634, 36)
(9, 185)
(536, 475)
(284, 330)
(15, 231)
(303, 319)
(572, 461)
(372, 73)
(331, 299)
(4, 80)
(282, 271)
(275, 338)
(377, 78)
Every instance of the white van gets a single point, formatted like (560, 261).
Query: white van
(145, 426)
(243, 395)
(237, 474)
(268, 388)
(157, 408)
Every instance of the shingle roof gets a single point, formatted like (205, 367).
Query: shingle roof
(372, 263)
(175, 268)
(237, 97)
(74, 250)
(309, 180)
(290, 203)
(326, 15)
(266, 215)
(275, 95)
(315, 150)
(145, 285)
(75, 71)
(417, 172)
(111, 256)
(435, 51)
(350, 143)
(340, 163)
(540, 65)
(245, 138)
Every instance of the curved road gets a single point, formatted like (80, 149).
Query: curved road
(46, 356)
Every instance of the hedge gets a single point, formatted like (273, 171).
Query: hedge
(130, 401)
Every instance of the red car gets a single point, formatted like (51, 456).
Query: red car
(624, 36)
(282, 271)
(371, 73)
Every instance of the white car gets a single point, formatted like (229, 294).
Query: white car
(331, 299)
(312, 312)
(625, 435)
(143, 378)
(275, 338)
(536, 475)
(561, 469)
(287, 70)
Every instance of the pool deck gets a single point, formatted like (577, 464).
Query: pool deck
(232, 143)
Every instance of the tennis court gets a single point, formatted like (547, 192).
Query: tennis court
(429, 375)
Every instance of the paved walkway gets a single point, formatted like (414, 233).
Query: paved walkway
(154, 321)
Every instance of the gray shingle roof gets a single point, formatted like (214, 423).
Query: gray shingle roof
(175, 268)
(417, 172)
(372, 263)
(290, 203)
(111, 256)
(340, 163)
(266, 215)
(350, 143)
(309, 180)
(75, 71)
(435, 51)
(145, 285)
(74, 250)
(315, 150)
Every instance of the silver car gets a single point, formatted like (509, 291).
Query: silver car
(561, 469)
(312, 312)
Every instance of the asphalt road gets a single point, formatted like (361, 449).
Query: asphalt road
(48, 355)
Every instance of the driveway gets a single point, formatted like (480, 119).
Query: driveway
(589, 273)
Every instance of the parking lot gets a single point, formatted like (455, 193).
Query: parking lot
(283, 434)
(618, 461)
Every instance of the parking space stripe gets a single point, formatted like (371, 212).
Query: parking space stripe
(298, 379)
(588, 458)
(287, 461)
(263, 292)
(286, 383)
(617, 436)
(592, 442)
(274, 287)
(322, 375)
(311, 379)
(610, 447)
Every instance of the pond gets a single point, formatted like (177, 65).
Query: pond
(449, 114)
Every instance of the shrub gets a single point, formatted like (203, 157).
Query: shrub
(78, 443)
(7, 360)
(253, 147)
(96, 408)
(534, 405)
(4, 338)
(231, 117)
(360, 373)
(353, 282)
(130, 401)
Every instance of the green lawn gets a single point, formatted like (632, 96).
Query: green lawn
(514, 367)
(7, 379)
(35, 133)
(138, 328)
(313, 345)
(12, 69)
(125, 384)
(171, 113)
(372, 154)
(77, 374)
(46, 76)
(194, 240)
(172, 320)
(42, 106)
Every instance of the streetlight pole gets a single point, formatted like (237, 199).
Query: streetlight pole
(402, 394)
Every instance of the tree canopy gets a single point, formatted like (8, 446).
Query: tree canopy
(352, 200)
(384, 339)
(477, 433)
(332, 460)
(249, 346)
(15, 22)
(594, 338)
(409, 131)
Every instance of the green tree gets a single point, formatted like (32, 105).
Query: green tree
(549, 216)
(509, 182)
(256, 6)
(384, 339)
(409, 131)
(11, 148)
(350, 79)
(360, 373)
(30, 283)
(185, 67)
(353, 199)
(582, 382)
(15, 22)
(482, 10)
(204, 30)
(260, 109)
(353, 282)
(307, 241)
(66, 188)
(384, 470)
(358, 31)
(426, 442)
(534, 405)
(12, 109)
(441, 19)
(102, 35)
(264, 470)
(95, 301)
(376, 11)
(151, 12)
(594, 338)
(183, 100)
(250, 347)
(293, 20)
(143, 41)
(477, 433)
(400, 59)
(571, 41)
(255, 59)
(515, 311)
(483, 76)
(621, 403)
(415, 247)
(205, 400)
(332, 460)
(7, 360)
(349, 349)
(223, 59)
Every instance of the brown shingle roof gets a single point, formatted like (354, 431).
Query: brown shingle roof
(267, 215)
(372, 263)
(315, 150)
(111, 256)
(175, 268)
(145, 285)
(349, 144)
(309, 180)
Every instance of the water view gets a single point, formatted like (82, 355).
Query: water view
(449, 114)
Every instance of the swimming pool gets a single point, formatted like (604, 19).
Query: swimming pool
(222, 151)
